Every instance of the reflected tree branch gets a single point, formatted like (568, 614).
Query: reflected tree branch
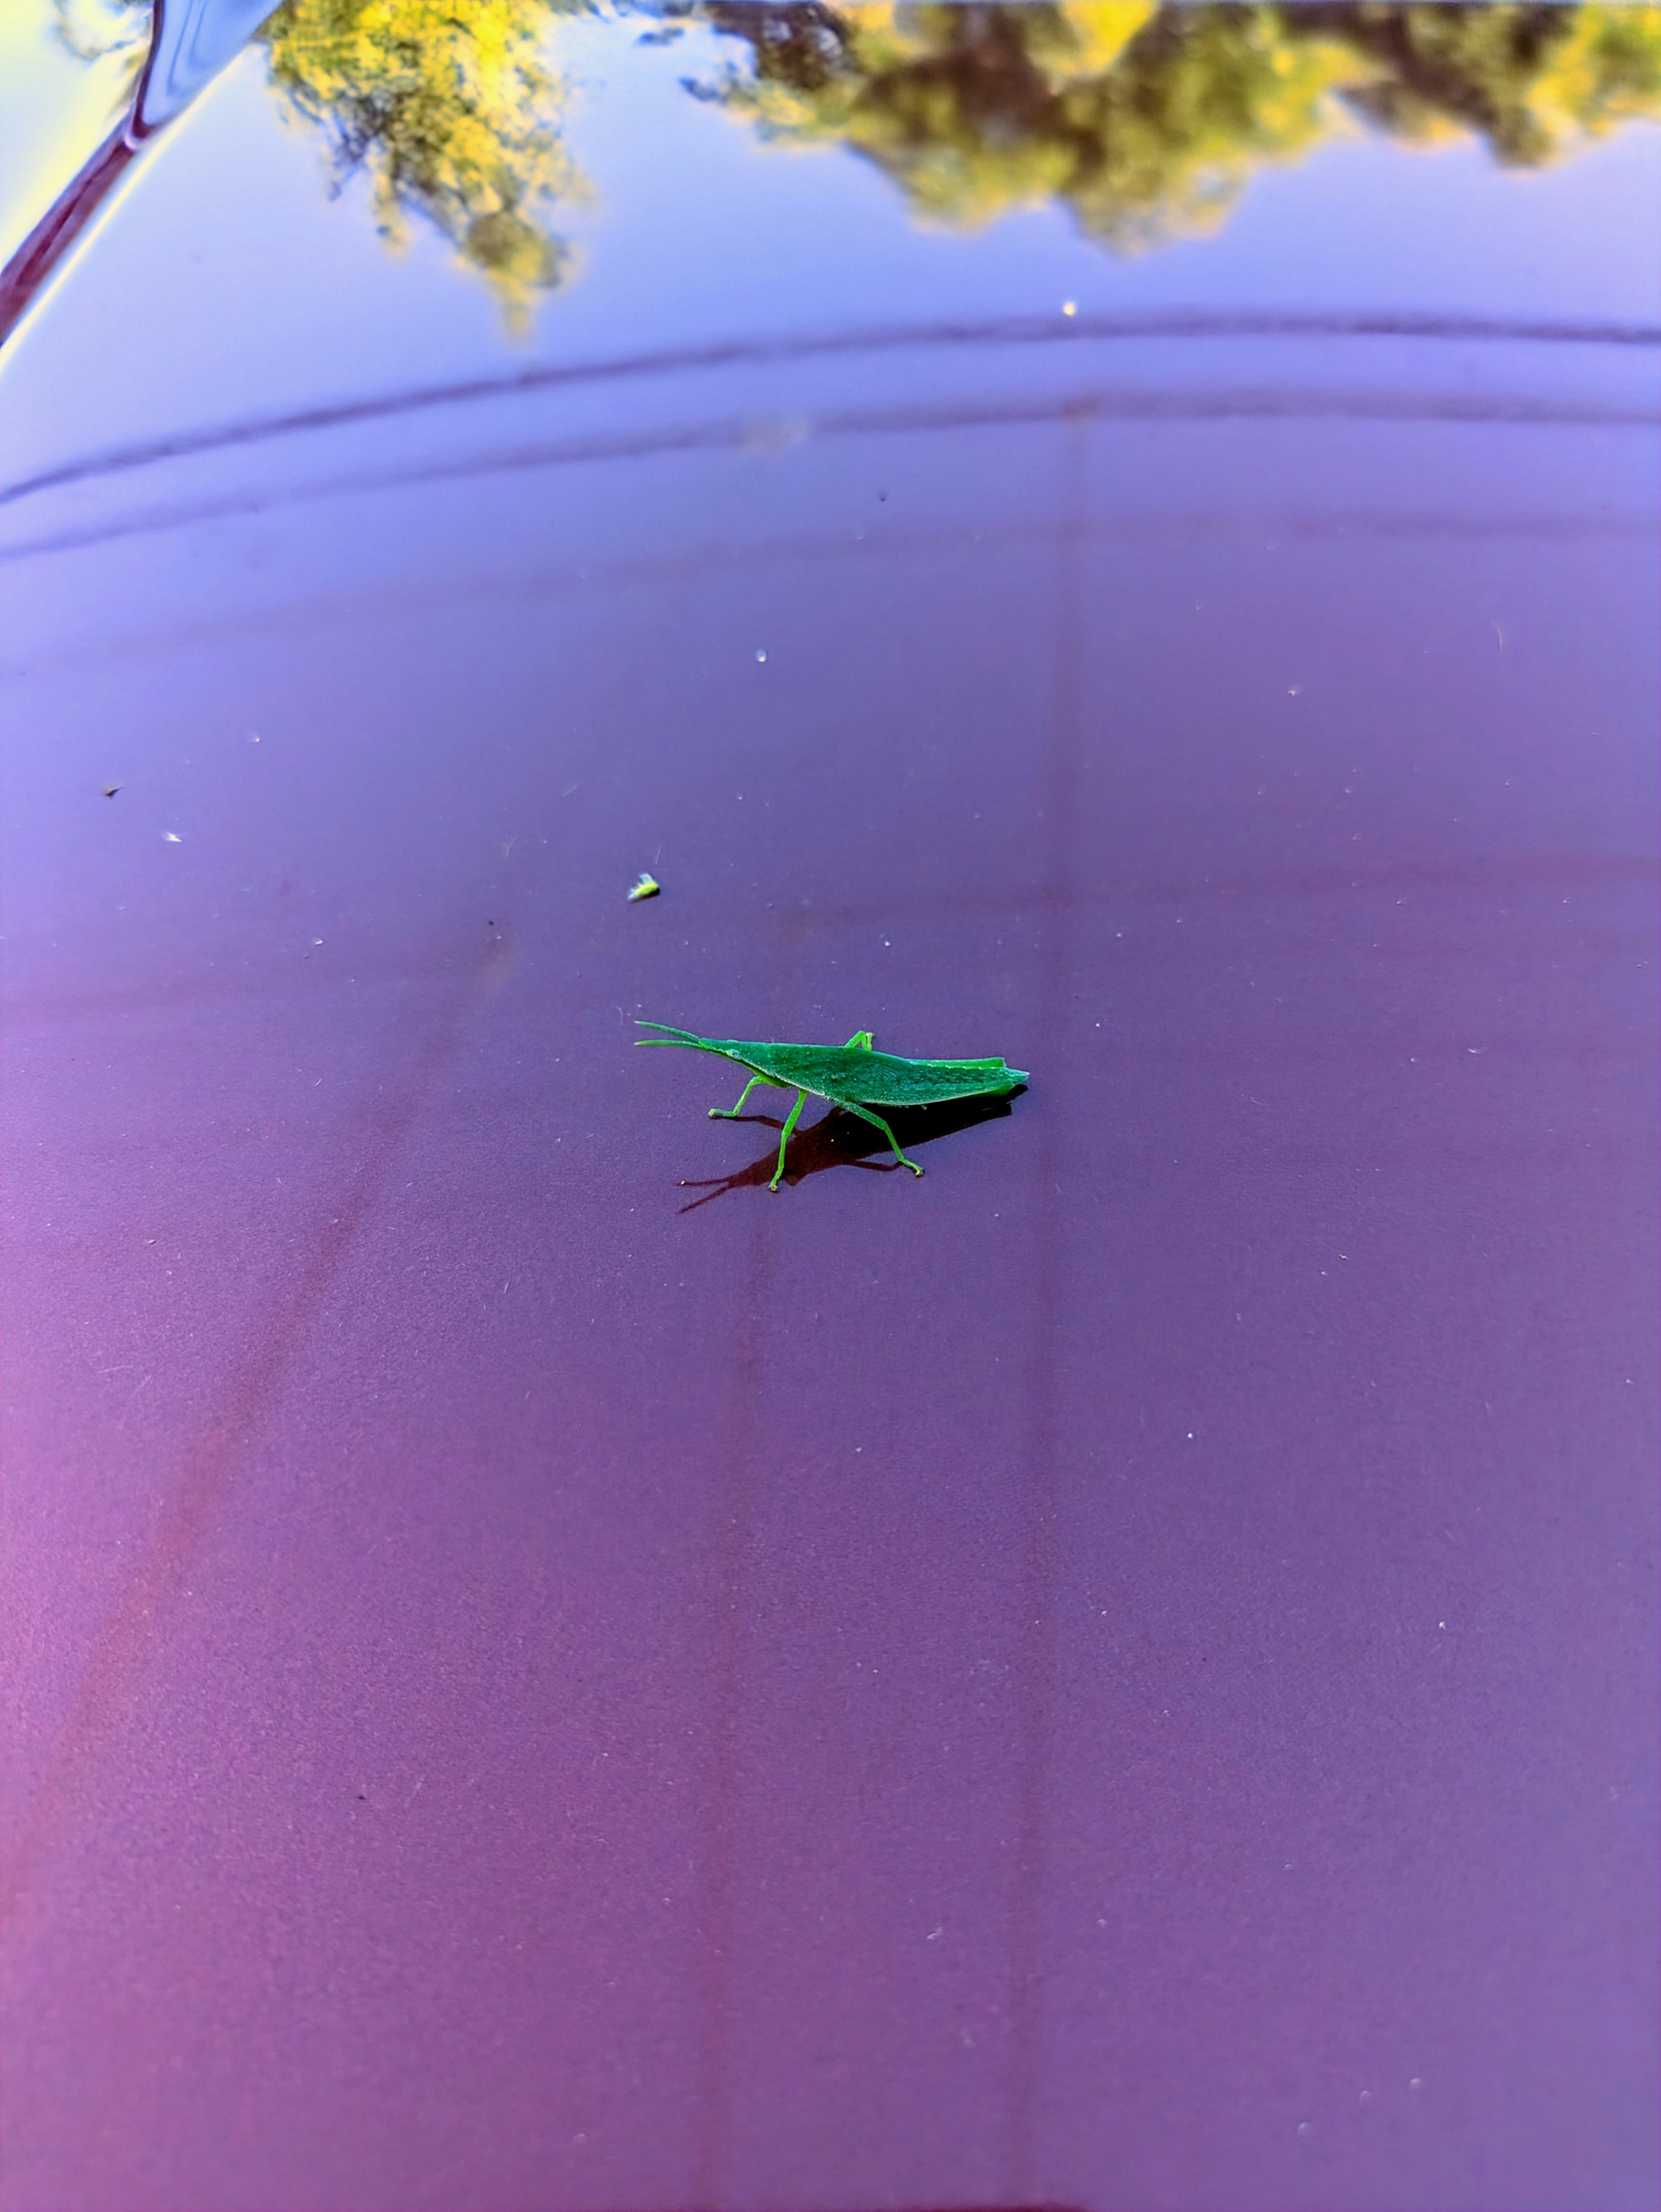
(450, 110)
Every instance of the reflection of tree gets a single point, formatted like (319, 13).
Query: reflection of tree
(450, 107)
(1144, 120)
(1147, 121)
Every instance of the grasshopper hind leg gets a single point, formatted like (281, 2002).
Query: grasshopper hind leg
(877, 1122)
(795, 1116)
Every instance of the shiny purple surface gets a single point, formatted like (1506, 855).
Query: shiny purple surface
(1118, 1675)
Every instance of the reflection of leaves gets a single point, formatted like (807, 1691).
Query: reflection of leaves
(452, 109)
(1528, 80)
(1146, 122)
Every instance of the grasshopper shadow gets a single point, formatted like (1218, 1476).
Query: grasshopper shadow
(842, 1140)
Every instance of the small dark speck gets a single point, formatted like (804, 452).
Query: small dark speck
(882, 495)
(110, 790)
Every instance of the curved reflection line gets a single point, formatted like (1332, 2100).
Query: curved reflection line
(394, 603)
(1013, 329)
(1147, 406)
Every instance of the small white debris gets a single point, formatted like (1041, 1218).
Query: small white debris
(171, 838)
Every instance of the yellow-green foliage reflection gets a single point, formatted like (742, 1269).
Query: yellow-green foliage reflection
(1147, 121)
(452, 111)
(1144, 121)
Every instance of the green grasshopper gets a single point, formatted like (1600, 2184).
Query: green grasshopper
(852, 1076)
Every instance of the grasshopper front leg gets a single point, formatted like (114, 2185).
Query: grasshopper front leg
(728, 1113)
